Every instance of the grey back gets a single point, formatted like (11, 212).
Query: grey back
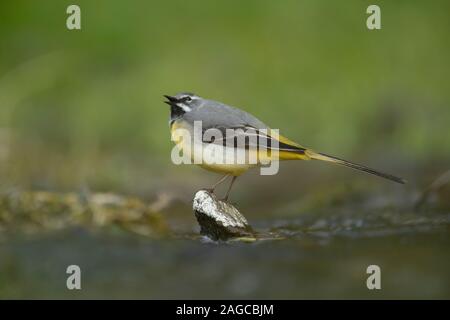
(214, 114)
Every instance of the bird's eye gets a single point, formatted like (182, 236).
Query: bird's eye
(188, 99)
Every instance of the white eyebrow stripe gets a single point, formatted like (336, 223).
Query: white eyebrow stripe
(185, 107)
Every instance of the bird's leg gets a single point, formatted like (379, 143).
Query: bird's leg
(229, 189)
(217, 183)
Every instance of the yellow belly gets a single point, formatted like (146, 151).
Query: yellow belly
(233, 169)
(188, 147)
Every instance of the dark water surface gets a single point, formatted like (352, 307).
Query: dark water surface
(320, 255)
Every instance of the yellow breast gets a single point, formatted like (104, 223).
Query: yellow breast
(195, 151)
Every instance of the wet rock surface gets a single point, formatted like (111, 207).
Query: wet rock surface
(35, 212)
(219, 220)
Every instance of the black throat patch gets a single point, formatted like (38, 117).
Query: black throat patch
(176, 112)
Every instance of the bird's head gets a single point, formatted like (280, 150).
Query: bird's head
(182, 103)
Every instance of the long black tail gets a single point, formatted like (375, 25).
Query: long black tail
(325, 157)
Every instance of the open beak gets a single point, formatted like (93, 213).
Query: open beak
(170, 100)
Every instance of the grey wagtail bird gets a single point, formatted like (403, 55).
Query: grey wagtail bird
(187, 108)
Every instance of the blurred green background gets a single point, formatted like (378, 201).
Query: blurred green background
(82, 110)
(86, 106)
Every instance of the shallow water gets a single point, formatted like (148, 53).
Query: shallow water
(321, 254)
